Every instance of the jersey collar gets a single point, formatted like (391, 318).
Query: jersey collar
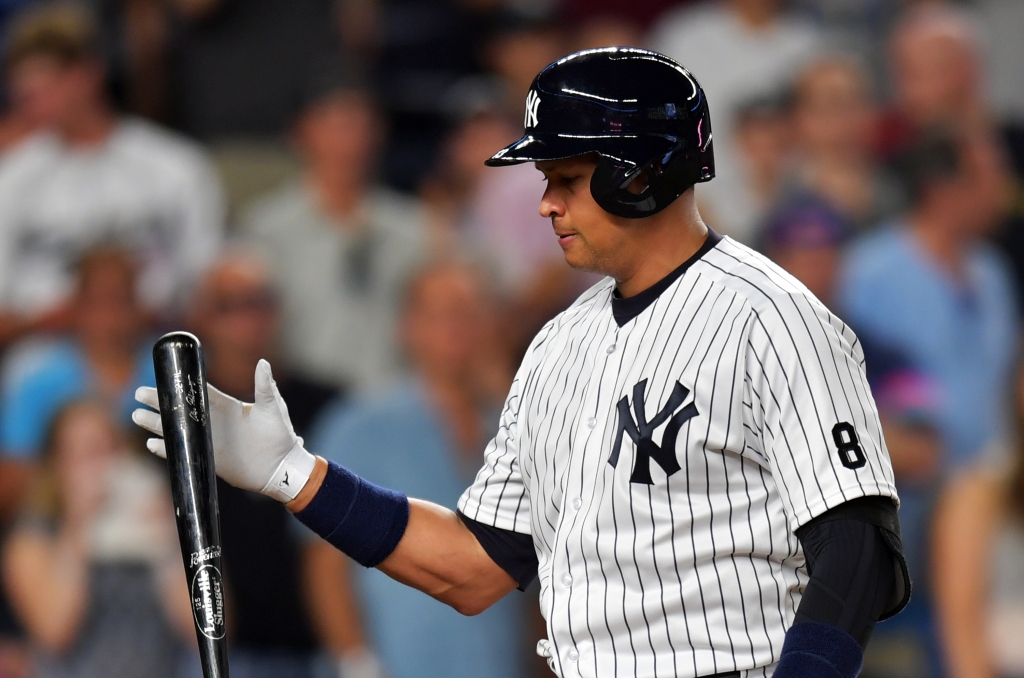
(624, 310)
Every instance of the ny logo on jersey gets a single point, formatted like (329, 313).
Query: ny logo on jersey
(640, 431)
(532, 104)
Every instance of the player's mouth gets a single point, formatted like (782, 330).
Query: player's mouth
(565, 239)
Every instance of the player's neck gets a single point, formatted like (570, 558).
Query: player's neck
(664, 242)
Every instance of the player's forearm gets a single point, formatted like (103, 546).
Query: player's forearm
(440, 557)
(434, 551)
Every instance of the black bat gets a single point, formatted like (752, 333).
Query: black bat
(184, 411)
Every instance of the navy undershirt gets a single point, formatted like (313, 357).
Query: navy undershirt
(625, 309)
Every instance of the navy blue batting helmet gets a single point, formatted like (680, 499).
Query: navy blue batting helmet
(639, 111)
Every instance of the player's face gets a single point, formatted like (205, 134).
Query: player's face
(592, 239)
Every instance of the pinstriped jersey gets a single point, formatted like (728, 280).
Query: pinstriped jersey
(662, 466)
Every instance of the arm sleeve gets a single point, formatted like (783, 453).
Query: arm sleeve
(511, 551)
(809, 408)
(858, 572)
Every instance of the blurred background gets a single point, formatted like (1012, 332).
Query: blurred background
(302, 180)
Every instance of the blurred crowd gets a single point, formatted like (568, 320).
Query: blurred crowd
(303, 181)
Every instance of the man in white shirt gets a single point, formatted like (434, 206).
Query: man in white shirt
(89, 177)
(341, 246)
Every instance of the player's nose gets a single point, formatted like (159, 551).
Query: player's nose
(551, 205)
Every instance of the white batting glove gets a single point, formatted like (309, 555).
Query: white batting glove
(254, 445)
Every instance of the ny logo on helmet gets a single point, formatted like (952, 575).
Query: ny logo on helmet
(532, 103)
(641, 430)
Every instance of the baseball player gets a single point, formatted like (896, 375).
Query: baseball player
(689, 458)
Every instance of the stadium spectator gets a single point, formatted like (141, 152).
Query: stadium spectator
(422, 50)
(426, 437)
(739, 50)
(860, 29)
(93, 567)
(340, 245)
(938, 76)
(806, 236)
(764, 141)
(930, 287)
(936, 71)
(91, 177)
(281, 591)
(517, 48)
(937, 68)
(834, 121)
(104, 358)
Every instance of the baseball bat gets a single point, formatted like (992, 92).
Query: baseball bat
(184, 411)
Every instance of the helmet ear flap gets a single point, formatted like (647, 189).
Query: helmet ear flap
(610, 187)
(667, 178)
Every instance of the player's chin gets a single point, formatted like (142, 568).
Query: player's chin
(577, 254)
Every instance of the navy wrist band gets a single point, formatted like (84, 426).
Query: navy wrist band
(362, 520)
(813, 650)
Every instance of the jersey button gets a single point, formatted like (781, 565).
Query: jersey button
(567, 580)
(610, 349)
(577, 503)
(572, 655)
(592, 422)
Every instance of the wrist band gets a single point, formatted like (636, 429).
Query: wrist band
(813, 650)
(362, 520)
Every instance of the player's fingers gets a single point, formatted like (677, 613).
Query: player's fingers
(156, 446)
(266, 387)
(147, 396)
(149, 420)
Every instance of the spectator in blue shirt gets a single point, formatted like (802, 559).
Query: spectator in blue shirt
(930, 287)
(426, 438)
(104, 358)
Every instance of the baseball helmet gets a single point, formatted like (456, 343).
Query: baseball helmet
(639, 111)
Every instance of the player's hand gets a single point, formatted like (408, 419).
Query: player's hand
(254, 445)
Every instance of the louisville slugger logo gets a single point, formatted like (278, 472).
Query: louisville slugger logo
(208, 602)
(532, 104)
(640, 431)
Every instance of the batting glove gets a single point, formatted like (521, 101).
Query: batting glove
(254, 445)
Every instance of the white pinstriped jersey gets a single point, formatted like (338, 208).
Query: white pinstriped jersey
(663, 466)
